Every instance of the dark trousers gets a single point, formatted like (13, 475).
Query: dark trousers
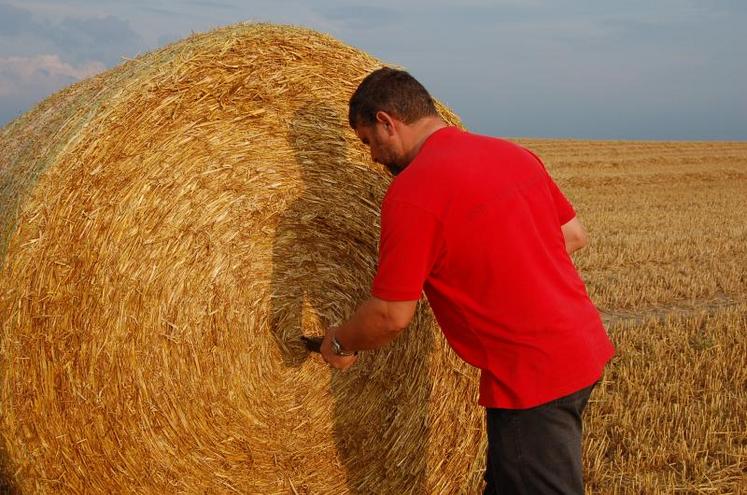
(536, 450)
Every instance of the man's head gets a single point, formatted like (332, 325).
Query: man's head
(387, 112)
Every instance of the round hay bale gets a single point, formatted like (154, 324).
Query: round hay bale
(168, 230)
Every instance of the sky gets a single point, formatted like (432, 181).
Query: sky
(587, 69)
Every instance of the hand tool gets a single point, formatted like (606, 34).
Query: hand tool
(313, 344)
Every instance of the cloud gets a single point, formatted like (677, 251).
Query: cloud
(359, 17)
(22, 75)
(14, 20)
(75, 39)
(109, 28)
(533, 67)
(162, 11)
(100, 38)
(731, 6)
(166, 39)
(212, 4)
(40, 54)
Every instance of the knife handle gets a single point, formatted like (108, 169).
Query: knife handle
(313, 344)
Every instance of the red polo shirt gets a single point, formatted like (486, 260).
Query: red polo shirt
(475, 222)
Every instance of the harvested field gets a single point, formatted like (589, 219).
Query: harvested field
(667, 266)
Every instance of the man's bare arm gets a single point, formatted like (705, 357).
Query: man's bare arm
(574, 235)
(375, 323)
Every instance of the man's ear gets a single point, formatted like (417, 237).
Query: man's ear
(386, 120)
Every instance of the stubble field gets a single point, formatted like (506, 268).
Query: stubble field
(667, 267)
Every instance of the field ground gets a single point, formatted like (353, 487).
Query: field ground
(667, 266)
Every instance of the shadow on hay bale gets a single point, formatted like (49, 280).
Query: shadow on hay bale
(6, 480)
(310, 242)
(319, 263)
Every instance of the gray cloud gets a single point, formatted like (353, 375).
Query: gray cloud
(583, 68)
(23, 79)
(14, 20)
(734, 6)
(26, 71)
(105, 39)
(166, 39)
(162, 11)
(77, 39)
(212, 5)
(39, 56)
(362, 16)
(10, 108)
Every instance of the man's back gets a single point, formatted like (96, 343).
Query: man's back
(480, 219)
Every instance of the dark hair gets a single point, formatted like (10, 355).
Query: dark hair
(393, 91)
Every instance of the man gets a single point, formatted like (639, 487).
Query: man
(478, 224)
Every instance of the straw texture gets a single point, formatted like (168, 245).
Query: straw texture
(168, 229)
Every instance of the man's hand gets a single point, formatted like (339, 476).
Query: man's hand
(339, 362)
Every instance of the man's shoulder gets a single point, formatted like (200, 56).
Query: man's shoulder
(454, 163)
(465, 143)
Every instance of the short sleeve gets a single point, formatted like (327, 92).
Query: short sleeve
(407, 251)
(563, 207)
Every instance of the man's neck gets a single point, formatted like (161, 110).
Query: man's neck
(420, 131)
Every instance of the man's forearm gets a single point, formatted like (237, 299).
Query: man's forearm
(574, 235)
(370, 327)
(573, 246)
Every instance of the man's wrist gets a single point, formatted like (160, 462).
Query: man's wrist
(338, 349)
